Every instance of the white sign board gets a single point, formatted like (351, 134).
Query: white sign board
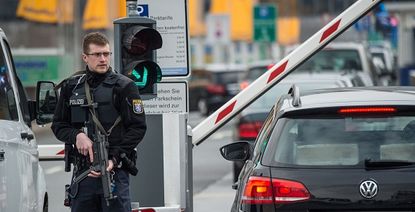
(171, 98)
(218, 29)
(172, 24)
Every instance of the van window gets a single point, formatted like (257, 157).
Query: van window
(8, 107)
(335, 60)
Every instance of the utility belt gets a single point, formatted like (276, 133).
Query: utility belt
(81, 162)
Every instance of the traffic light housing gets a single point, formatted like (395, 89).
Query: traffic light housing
(136, 40)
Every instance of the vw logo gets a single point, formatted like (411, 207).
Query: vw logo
(368, 189)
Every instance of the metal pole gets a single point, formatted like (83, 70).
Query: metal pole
(77, 34)
(132, 8)
(189, 182)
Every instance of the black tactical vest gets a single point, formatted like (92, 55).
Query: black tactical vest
(102, 95)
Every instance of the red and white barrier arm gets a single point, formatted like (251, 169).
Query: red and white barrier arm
(280, 70)
(51, 152)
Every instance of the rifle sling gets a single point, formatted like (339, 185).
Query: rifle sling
(59, 85)
(92, 111)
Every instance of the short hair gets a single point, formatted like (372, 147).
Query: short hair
(96, 38)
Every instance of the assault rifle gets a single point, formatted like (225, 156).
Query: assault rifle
(100, 147)
(100, 163)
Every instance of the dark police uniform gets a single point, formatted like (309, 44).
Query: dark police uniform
(116, 95)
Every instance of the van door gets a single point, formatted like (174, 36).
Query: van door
(9, 139)
(20, 171)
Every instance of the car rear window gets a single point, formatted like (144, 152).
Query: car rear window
(341, 141)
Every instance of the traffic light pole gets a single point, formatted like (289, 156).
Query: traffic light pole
(164, 156)
(132, 8)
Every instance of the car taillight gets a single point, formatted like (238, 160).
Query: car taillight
(249, 130)
(215, 89)
(364, 110)
(258, 190)
(264, 190)
(287, 191)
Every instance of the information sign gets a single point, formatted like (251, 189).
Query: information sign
(218, 29)
(172, 97)
(264, 23)
(172, 24)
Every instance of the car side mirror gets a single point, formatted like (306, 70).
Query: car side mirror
(238, 151)
(46, 101)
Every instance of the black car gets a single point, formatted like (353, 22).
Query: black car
(213, 86)
(344, 149)
(250, 120)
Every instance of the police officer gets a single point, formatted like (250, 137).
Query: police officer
(116, 97)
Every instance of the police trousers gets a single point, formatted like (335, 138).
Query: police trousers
(90, 197)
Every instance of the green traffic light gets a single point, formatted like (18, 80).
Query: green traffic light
(137, 75)
(143, 82)
(144, 73)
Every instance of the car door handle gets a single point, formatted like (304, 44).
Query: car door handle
(27, 136)
(2, 155)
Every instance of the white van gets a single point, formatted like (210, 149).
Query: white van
(22, 182)
(343, 57)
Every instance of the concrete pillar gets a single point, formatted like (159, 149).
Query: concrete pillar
(405, 40)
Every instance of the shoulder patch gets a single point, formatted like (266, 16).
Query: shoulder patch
(138, 106)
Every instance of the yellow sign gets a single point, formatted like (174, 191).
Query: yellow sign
(288, 30)
(240, 12)
(96, 15)
(46, 11)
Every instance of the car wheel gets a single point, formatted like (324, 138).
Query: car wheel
(203, 107)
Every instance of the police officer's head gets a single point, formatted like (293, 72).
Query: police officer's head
(96, 52)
